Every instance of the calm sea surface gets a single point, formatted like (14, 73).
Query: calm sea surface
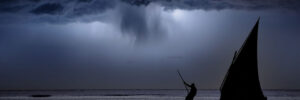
(133, 95)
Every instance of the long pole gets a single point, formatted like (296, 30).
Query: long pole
(182, 81)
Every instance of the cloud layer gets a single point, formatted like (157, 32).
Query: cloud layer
(132, 14)
(78, 8)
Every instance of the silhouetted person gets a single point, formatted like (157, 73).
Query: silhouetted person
(192, 92)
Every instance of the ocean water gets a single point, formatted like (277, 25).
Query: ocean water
(133, 95)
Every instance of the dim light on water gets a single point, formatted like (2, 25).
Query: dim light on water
(132, 94)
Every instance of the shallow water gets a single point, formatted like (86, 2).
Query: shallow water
(133, 95)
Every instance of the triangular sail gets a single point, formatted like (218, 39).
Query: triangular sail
(228, 71)
(241, 81)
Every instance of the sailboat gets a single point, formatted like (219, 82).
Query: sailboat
(242, 81)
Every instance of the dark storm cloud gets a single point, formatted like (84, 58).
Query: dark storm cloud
(49, 8)
(69, 8)
(12, 6)
(135, 20)
(11, 9)
(222, 4)
(90, 7)
(138, 2)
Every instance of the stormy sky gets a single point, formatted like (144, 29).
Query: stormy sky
(139, 44)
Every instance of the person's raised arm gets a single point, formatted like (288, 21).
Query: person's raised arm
(187, 84)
